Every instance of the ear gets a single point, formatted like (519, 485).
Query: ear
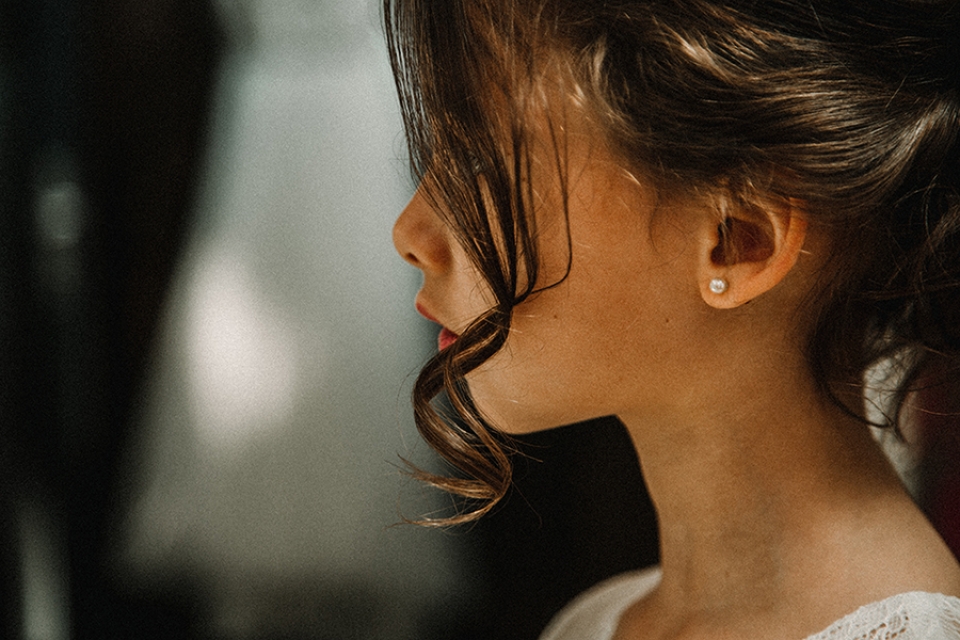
(751, 249)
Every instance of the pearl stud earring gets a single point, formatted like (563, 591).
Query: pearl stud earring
(718, 285)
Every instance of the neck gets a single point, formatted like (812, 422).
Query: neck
(745, 490)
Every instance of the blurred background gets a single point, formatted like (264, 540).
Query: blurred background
(208, 345)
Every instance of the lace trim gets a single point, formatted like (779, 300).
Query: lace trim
(908, 616)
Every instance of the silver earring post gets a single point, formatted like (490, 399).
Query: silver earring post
(718, 285)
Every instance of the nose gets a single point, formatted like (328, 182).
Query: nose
(421, 237)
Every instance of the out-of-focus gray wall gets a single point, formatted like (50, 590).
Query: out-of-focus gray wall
(267, 468)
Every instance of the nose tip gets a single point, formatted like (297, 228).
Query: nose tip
(401, 238)
(420, 237)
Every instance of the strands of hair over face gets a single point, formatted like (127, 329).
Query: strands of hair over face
(467, 155)
(852, 108)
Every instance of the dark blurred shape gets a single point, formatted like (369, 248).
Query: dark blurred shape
(103, 105)
(147, 71)
(937, 414)
(579, 513)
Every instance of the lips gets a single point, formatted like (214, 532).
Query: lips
(446, 337)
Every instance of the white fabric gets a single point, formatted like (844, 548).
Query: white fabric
(594, 615)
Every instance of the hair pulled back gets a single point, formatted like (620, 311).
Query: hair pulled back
(852, 107)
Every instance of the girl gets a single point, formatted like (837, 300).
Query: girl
(715, 220)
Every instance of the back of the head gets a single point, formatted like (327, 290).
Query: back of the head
(852, 108)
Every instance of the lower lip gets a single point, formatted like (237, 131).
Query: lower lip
(446, 338)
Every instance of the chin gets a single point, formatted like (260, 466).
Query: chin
(519, 417)
(517, 399)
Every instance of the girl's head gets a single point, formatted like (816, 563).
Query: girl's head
(589, 168)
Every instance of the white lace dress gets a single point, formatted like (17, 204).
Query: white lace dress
(594, 615)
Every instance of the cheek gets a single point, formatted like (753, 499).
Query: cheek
(605, 337)
(613, 334)
(534, 383)
(565, 360)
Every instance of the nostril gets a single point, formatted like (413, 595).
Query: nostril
(420, 237)
(403, 241)
(411, 257)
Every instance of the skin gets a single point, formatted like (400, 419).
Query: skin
(778, 514)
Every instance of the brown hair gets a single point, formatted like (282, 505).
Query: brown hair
(851, 107)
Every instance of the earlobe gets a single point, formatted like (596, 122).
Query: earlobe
(751, 251)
